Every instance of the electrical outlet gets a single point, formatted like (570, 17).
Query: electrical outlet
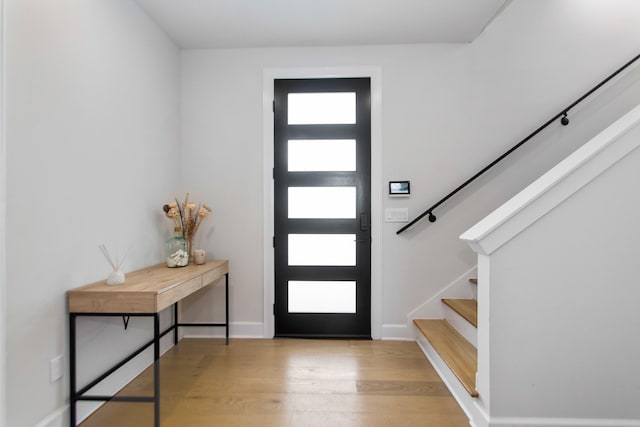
(55, 368)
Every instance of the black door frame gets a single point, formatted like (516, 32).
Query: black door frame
(323, 325)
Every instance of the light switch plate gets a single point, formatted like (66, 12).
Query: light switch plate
(396, 215)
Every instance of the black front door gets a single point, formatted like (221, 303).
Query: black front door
(322, 205)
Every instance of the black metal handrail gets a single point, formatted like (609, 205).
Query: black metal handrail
(564, 120)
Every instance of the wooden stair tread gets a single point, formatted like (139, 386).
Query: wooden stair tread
(467, 308)
(457, 352)
(474, 280)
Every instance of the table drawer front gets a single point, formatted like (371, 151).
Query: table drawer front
(178, 293)
(132, 302)
(211, 276)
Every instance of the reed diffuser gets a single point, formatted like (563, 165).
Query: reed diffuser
(116, 277)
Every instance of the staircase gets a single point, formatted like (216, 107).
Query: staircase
(545, 222)
(451, 345)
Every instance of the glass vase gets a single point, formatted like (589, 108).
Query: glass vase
(177, 249)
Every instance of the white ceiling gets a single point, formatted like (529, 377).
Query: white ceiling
(274, 23)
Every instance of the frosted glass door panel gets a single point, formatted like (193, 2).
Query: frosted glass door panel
(322, 297)
(322, 249)
(322, 202)
(322, 155)
(322, 108)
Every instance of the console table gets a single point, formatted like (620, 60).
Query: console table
(146, 293)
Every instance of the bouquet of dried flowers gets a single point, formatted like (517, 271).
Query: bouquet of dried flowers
(188, 216)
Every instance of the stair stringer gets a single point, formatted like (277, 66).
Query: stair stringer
(433, 307)
(469, 404)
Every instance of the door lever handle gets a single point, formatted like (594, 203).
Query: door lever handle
(364, 222)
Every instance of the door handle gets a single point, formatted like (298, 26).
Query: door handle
(364, 222)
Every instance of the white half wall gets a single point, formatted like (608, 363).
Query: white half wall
(557, 321)
(584, 259)
(91, 134)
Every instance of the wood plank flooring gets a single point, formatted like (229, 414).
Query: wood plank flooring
(290, 383)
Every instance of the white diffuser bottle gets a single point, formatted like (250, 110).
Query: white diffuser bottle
(116, 277)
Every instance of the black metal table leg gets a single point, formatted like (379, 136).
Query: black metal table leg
(156, 369)
(73, 397)
(226, 303)
(175, 323)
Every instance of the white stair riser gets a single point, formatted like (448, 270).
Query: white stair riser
(466, 329)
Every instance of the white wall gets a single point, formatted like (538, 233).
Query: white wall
(92, 154)
(447, 111)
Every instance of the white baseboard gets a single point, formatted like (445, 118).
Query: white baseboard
(561, 422)
(236, 330)
(58, 418)
(256, 330)
(397, 332)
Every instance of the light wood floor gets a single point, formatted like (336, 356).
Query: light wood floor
(290, 383)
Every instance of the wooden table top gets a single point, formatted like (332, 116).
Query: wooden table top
(149, 290)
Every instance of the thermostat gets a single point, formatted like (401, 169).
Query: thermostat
(399, 189)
